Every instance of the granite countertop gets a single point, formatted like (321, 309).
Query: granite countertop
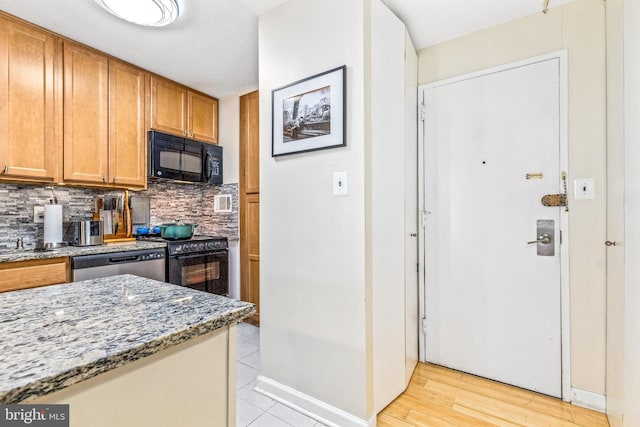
(12, 255)
(56, 336)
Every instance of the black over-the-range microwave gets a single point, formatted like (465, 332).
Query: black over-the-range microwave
(183, 159)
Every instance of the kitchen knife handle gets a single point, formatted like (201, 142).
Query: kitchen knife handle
(127, 215)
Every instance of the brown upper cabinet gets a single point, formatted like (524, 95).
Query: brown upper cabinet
(203, 117)
(104, 120)
(30, 141)
(71, 113)
(127, 126)
(86, 124)
(176, 109)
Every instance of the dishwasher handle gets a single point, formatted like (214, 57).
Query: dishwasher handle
(118, 260)
(79, 262)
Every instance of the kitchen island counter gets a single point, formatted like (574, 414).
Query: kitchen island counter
(57, 336)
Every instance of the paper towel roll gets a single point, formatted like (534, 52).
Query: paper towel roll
(52, 223)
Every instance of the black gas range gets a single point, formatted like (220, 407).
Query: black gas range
(201, 262)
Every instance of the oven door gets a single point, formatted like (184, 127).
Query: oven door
(206, 272)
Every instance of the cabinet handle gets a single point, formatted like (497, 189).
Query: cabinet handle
(6, 169)
(114, 179)
(104, 179)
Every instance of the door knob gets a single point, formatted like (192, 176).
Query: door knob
(610, 243)
(413, 234)
(544, 238)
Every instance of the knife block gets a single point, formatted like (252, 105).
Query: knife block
(121, 222)
(121, 235)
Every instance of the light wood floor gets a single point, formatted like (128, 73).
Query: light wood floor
(438, 396)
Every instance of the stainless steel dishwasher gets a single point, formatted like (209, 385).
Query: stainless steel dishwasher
(149, 263)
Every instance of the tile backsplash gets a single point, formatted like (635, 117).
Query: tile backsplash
(169, 201)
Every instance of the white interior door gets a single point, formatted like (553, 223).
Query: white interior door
(411, 209)
(493, 305)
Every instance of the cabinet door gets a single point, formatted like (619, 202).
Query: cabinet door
(127, 137)
(250, 202)
(31, 274)
(85, 115)
(29, 143)
(203, 117)
(168, 107)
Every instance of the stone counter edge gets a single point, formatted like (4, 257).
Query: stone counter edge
(81, 373)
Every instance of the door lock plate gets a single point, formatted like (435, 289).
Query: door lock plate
(554, 200)
(545, 237)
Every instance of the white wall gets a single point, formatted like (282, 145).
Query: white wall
(312, 255)
(578, 27)
(229, 137)
(234, 269)
(333, 268)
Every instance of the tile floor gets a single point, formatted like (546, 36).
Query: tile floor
(252, 408)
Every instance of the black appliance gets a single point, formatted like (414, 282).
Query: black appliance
(182, 159)
(201, 262)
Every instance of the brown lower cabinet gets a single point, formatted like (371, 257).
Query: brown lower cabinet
(31, 274)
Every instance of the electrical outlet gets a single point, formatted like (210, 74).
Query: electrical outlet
(340, 184)
(38, 214)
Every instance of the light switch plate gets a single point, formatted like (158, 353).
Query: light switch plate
(340, 184)
(584, 188)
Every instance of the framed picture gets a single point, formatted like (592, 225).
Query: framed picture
(310, 114)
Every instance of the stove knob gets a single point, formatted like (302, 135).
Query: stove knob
(211, 245)
(194, 246)
(201, 246)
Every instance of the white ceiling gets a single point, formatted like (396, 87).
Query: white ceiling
(213, 47)
(433, 21)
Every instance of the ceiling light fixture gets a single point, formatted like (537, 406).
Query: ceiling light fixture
(150, 13)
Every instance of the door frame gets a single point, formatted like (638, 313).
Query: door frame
(564, 216)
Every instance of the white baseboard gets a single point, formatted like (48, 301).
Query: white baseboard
(310, 406)
(589, 400)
